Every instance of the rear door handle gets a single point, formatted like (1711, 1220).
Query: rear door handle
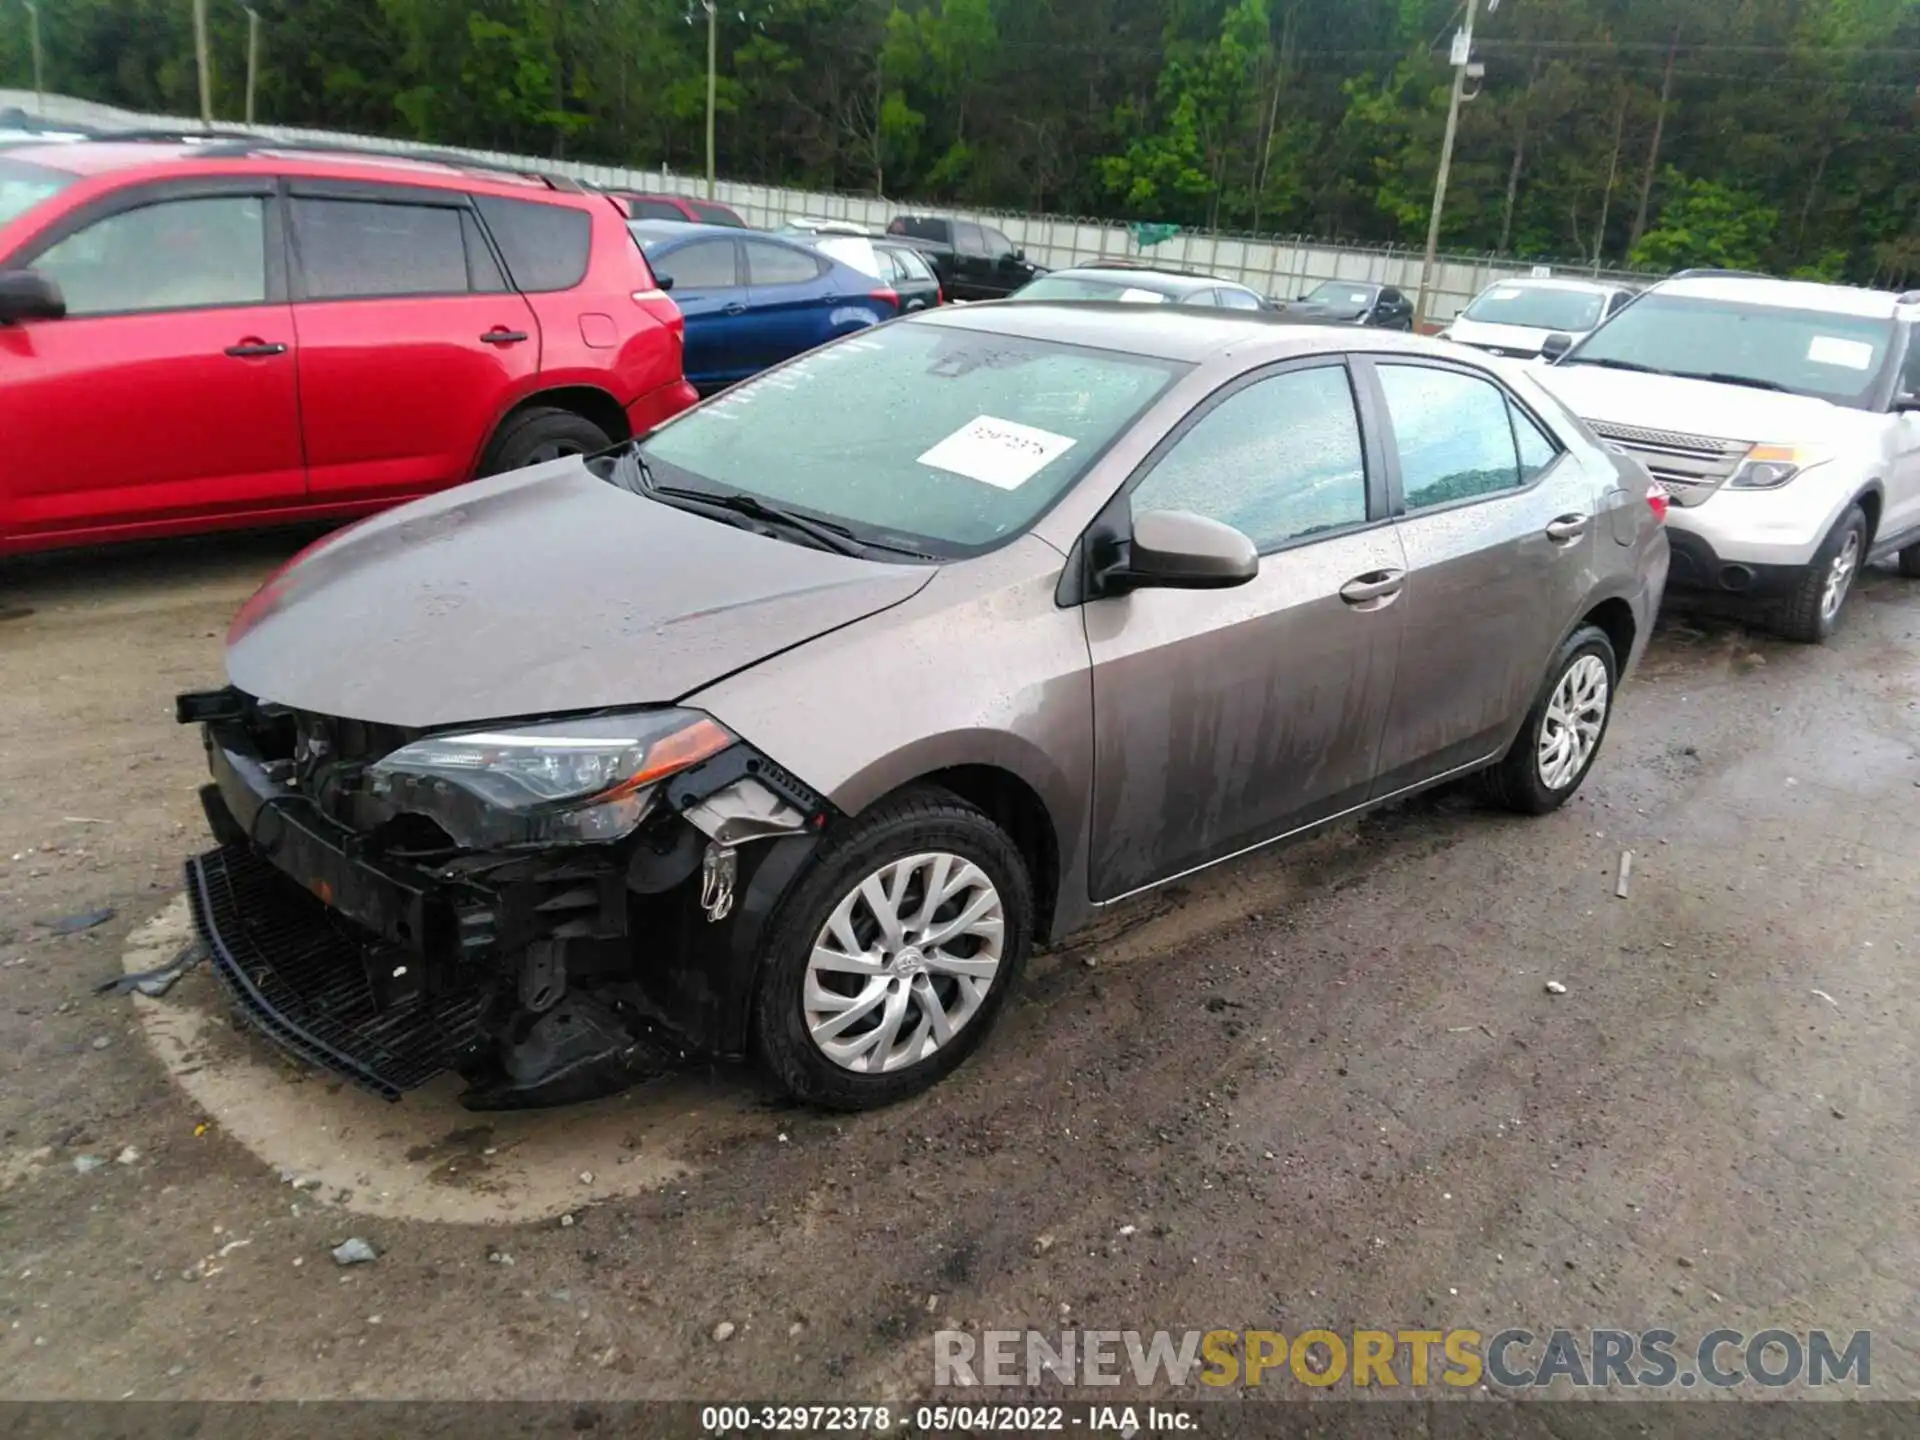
(253, 349)
(1375, 588)
(736, 308)
(1567, 527)
(500, 336)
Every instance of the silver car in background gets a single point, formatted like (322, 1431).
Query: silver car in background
(790, 728)
(1519, 318)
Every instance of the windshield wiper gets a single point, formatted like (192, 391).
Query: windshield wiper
(1719, 377)
(1611, 364)
(631, 472)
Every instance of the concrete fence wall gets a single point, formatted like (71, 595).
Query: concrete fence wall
(1281, 266)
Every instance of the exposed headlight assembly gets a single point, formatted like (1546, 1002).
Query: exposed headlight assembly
(1768, 467)
(567, 782)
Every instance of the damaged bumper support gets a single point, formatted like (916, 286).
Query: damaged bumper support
(553, 910)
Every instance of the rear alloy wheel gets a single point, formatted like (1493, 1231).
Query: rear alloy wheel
(892, 958)
(1561, 738)
(540, 434)
(1810, 614)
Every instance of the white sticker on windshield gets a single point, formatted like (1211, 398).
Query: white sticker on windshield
(1505, 293)
(1132, 296)
(1829, 350)
(995, 452)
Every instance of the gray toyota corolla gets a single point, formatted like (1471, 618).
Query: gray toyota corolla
(789, 729)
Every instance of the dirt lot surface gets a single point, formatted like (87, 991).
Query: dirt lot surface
(1327, 1086)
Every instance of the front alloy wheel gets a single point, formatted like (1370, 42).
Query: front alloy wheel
(904, 962)
(890, 959)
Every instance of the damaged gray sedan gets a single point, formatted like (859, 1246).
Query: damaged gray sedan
(789, 729)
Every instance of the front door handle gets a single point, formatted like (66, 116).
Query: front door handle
(1567, 528)
(1374, 589)
(252, 349)
(500, 335)
(735, 309)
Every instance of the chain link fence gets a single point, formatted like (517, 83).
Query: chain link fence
(1276, 265)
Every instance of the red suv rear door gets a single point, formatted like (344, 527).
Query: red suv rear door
(168, 391)
(411, 341)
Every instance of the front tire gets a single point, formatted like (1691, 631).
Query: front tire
(1811, 614)
(1563, 732)
(892, 958)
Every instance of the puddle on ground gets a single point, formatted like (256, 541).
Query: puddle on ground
(425, 1158)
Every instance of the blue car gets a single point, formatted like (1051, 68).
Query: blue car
(752, 300)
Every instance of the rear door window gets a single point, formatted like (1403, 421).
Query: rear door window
(703, 265)
(770, 264)
(1232, 299)
(174, 255)
(1453, 434)
(359, 249)
(546, 246)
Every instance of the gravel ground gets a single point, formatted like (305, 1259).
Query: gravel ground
(1324, 1087)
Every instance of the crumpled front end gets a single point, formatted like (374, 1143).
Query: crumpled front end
(552, 909)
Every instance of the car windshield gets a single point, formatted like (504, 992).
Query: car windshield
(24, 185)
(1773, 347)
(1088, 287)
(922, 436)
(1537, 307)
(1340, 292)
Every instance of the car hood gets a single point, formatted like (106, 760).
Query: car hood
(1520, 341)
(1698, 407)
(541, 591)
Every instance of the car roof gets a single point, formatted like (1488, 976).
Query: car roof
(684, 229)
(1165, 282)
(1167, 332)
(1786, 294)
(1556, 282)
(94, 157)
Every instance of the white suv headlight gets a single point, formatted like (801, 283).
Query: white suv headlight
(1768, 467)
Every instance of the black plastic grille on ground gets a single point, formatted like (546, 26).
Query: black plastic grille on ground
(297, 970)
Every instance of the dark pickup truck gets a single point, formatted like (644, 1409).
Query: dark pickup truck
(973, 261)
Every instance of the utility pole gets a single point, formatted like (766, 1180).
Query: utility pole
(205, 64)
(253, 56)
(1462, 64)
(713, 52)
(39, 82)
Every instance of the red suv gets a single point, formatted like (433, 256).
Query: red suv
(230, 332)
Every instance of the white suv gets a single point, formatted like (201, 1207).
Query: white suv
(1783, 419)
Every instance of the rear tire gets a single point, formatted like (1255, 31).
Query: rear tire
(1812, 612)
(821, 1029)
(1564, 730)
(540, 434)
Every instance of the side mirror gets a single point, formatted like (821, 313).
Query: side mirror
(1555, 345)
(663, 282)
(1020, 255)
(1907, 404)
(1178, 550)
(29, 295)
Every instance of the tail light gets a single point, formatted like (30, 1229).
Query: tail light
(886, 295)
(1657, 501)
(939, 296)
